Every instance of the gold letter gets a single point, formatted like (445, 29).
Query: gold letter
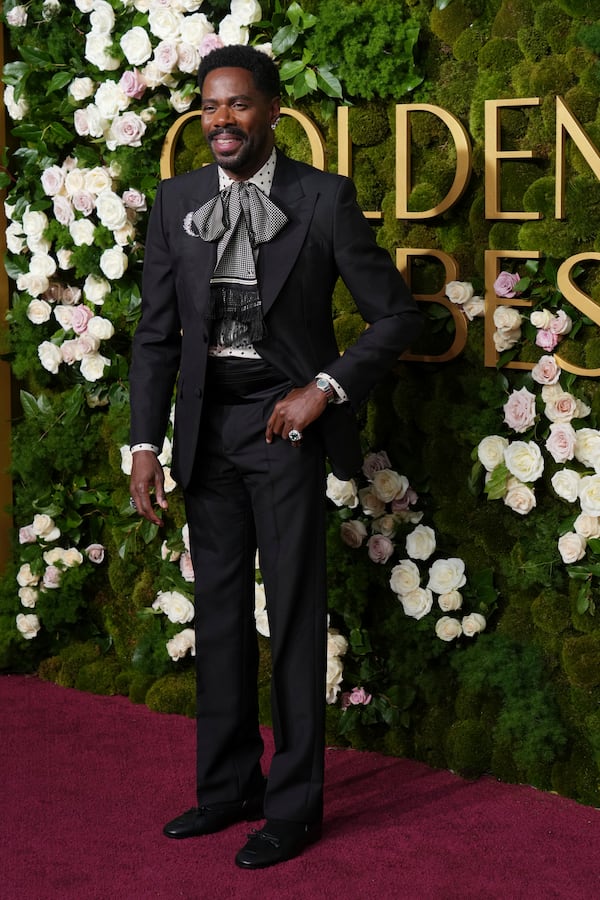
(403, 177)
(451, 274)
(345, 152)
(493, 153)
(581, 301)
(566, 121)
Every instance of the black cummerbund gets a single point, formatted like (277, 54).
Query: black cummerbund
(234, 379)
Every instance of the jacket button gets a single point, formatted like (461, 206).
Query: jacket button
(198, 392)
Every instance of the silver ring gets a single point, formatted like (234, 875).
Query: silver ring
(295, 436)
(132, 503)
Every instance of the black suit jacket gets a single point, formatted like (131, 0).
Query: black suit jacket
(326, 236)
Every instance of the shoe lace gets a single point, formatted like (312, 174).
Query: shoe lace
(265, 836)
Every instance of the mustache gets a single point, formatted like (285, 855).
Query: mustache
(232, 130)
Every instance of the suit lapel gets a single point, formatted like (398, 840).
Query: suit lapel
(277, 258)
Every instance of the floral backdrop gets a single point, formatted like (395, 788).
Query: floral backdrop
(464, 560)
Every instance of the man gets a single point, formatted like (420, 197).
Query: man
(241, 260)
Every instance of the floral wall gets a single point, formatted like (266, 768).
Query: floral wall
(464, 561)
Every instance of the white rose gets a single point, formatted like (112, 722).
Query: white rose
(337, 645)
(504, 340)
(175, 606)
(50, 356)
(490, 451)
(587, 526)
(459, 292)
(97, 180)
(524, 460)
(451, 601)
(70, 351)
(136, 46)
(17, 16)
(39, 311)
(45, 527)
(92, 366)
(562, 408)
(589, 495)
(102, 17)
(166, 56)
(126, 459)
(28, 625)
(124, 236)
(385, 525)
(507, 320)
(100, 328)
(473, 308)
(28, 597)
(97, 46)
(566, 484)
(181, 644)
(388, 485)
(111, 210)
(420, 543)
(110, 99)
(166, 23)
(519, 497)
(17, 109)
(96, 289)
(418, 603)
(113, 263)
(231, 32)
(342, 493)
(75, 181)
(197, 27)
(405, 578)
(14, 238)
(333, 678)
(188, 58)
(180, 101)
(64, 316)
(247, 12)
(353, 533)
(260, 610)
(42, 264)
(82, 232)
(33, 284)
(25, 577)
(447, 628)
(587, 447)
(541, 318)
(446, 575)
(84, 6)
(571, 547)
(64, 258)
(34, 222)
(81, 88)
(473, 624)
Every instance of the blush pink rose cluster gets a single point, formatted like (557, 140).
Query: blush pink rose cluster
(551, 327)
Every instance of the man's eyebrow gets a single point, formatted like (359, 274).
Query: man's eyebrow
(230, 99)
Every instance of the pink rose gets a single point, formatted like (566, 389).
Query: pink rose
(81, 316)
(132, 84)
(95, 553)
(546, 371)
(400, 504)
(359, 697)
(375, 462)
(63, 211)
(71, 295)
(379, 548)
(561, 323)
(561, 442)
(519, 410)
(185, 566)
(133, 199)
(209, 43)
(27, 535)
(505, 283)
(51, 579)
(547, 340)
(83, 201)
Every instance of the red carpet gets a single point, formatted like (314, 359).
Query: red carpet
(88, 781)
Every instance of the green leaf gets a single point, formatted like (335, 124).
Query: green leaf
(59, 81)
(29, 405)
(284, 39)
(442, 4)
(583, 571)
(300, 86)
(28, 132)
(15, 72)
(328, 83)
(495, 487)
(295, 14)
(290, 69)
(35, 56)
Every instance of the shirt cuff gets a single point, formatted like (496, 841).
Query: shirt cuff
(135, 447)
(340, 394)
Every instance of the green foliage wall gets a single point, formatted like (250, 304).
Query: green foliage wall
(521, 700)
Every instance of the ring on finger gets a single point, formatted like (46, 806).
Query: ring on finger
(295, 436)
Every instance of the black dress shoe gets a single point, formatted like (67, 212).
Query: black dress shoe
(275, 842)
(208, 819)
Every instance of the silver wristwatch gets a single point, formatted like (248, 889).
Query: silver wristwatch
(325, 386)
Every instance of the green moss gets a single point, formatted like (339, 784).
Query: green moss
(368, 124)
(532, 44)
(511, 15)
(174, 694)
(581, 660)
(549, 237)
(139, 685)
(468, 44)
(503, 236)
(499, 54)
(99, 677)
(450, 23)
(469, 748)
(64, 669)
(551, 612)
(539, 196)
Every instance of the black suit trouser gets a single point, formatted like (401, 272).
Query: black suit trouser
(246, 494)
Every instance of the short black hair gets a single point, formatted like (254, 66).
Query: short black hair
(238, 56)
